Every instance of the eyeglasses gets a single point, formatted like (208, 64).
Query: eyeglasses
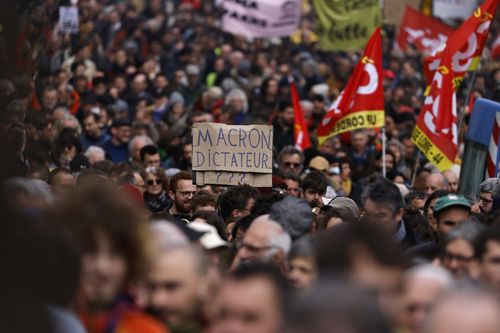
(485, 201)
(252, 248)
(187, 194)
(291, 164)
(152, 182)
(450, 256)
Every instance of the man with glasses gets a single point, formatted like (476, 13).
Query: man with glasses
(181, 190)
(290, 161)
(264, 241)
(487, 190)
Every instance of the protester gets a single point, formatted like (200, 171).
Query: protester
(367, 223)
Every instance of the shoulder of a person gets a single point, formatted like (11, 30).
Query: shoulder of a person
(134, 320)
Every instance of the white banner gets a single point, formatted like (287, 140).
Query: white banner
(68, 20)
(448, 9)
(261, 18)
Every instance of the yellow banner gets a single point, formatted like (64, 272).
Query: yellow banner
(345, 25)
(356, 120)
(430, 150)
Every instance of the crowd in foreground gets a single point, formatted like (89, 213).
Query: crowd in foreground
(104, 231)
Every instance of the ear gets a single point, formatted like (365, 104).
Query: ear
(236, 213)
(279, 260)
(171, 195)
(399, 214)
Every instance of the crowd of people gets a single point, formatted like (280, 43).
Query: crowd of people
(104, 230)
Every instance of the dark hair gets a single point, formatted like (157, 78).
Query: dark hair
(235, 198)
(491, 233)
(303, 247)
(336, 246)
(242, 223)
(315, 180)
(383, 191)
(283, 105)
(68, 137)
(203, 198)
(105, 210)
(271, 273)
(213, 219)
(336, 306)
(181, 175)
(55, 172)
(414, 195)
(291, 176)
(264, 201)
(148, 150)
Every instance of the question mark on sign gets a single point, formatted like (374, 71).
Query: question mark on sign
(219, 173)
(242, 176)
(231, 178)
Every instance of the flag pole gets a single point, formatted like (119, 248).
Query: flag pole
(384, 171)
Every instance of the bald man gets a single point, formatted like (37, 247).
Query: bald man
(264, 241)
(177, 288)
(465, 311)
(434, 182)
(452, 180)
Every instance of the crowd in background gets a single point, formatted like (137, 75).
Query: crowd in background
(103, 229)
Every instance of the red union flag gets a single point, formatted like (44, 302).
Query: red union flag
(425, 32)
(436, 133)
(361, 103)
(300, 132)
(465, 45)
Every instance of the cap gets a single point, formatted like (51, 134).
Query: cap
(78, 163)
(319, 163)
(346, 208)
(210, 239)
(449, 201)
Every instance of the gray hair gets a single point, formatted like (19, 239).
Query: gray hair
(432, 272)
(237, 92)
(302, 247)
(467, 231)
(91, 150)
(290, 150)
(33, 188)
(279, 239)
(491, 185)
(132, 142)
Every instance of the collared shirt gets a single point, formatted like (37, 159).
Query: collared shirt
(400, 233)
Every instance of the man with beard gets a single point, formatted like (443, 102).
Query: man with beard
(181, 191)
(314, 188)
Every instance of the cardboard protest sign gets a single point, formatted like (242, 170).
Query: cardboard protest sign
(231, 155)
(68, 20)
(234, 178)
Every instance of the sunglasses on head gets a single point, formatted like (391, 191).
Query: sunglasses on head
(153, 182)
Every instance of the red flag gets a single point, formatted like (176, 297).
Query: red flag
(300, 132)
(425, 32)
(465, 45)
(436, 133)
(361, 103)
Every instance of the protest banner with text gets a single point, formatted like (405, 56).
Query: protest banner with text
(261, 18)
(345, 25)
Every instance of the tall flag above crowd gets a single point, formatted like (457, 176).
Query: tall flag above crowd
(300, 131)
(346, 25)
(424, 32)
(436, 132)
(361, 103)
